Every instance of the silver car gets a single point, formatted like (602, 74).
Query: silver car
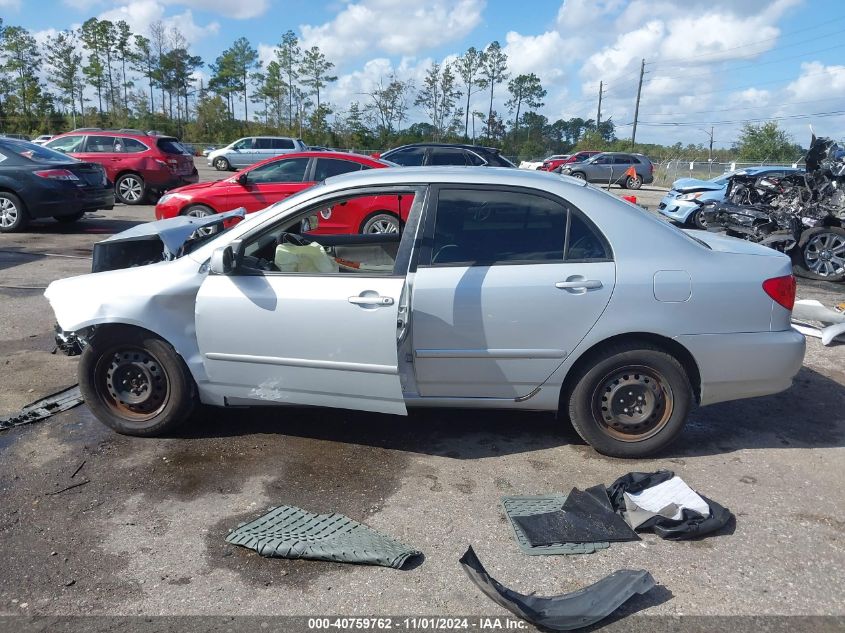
(252, 149)
(506, 289)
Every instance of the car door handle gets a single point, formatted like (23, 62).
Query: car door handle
(578, 284)
(371, 301)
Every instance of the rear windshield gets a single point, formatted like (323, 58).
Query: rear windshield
(36, 153)
(171, 146)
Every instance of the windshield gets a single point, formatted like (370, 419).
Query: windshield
(37, 153)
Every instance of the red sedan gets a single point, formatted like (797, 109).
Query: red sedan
(275, 179)
(577, 157)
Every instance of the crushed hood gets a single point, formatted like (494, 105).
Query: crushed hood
(162, 240)
(694, 184)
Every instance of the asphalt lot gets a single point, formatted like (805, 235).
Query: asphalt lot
(145, 535)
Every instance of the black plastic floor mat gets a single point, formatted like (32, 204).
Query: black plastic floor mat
(521, 506)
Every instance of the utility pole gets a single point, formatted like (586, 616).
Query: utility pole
(598, 114)
(637, 107)
(710, 154)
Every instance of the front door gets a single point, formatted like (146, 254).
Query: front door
(268, 183)
(501, 298)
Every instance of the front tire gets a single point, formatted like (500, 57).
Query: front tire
(221, 164)
(630, 400)
(135, 383)
(130, 189)
(13, 216)
(580, 175)
(697, 219)
(382, 223)
(821, 254)
(201, 211)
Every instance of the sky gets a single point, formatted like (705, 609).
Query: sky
(707, 62)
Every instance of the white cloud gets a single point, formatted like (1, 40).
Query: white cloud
(15, 5)
(578, 14)
(818, 81)
(238, 9)
(396, 28)
(540, 54)
(141, 13)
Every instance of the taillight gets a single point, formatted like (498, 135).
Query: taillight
(56, 174)
(782, 290)
(651, 167)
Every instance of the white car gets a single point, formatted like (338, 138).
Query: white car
(42, 139)
(506, 289)
(536, 164)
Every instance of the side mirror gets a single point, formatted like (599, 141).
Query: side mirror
(222, 261)
(243, 178)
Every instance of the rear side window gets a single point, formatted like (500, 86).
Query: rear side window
(170, 146)
(411, 157)
(281, 143)
(497, 160)
(101, 144)
(66, 143)
(133, 146)
(292, 170)
(446, 156)
(622, 160)
(328, 167)
(475, 159)
(483, 228)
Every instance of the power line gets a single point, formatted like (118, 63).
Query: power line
(819, 115)
(757, 107)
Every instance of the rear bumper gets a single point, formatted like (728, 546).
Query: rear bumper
(736, 366)
(165, 181)
(70, 202)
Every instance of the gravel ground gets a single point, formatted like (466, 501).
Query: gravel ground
(145, 534)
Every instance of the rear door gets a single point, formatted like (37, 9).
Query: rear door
(509, 282)
(269, 183)
(104, 150)
(621, 164)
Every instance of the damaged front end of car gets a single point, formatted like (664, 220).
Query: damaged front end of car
(163, 240)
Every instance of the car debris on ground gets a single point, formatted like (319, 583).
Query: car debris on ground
(567, 611)
(809, 311)
(291, 532)
(44, 408)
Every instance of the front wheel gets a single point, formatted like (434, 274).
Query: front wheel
(631, 400)
(130, 189)
(221, 164)
(135, 383)
(821, 254)
(201, 211)
(698, 220)
(381, 223)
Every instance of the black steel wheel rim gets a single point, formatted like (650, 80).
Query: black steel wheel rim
(133, 383)
(632, 403)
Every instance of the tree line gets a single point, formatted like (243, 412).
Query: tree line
(104, 75)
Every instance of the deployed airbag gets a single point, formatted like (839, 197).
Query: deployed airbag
(567, 611)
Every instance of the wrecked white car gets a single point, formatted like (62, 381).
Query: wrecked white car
(505, 289)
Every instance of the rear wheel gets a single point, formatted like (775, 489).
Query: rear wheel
(135, 382)
(821, 254)
(130, 189)
(69, 219)
(221, 164)
(631, 400)
(13, 216)
(381, 223)
(632, 182)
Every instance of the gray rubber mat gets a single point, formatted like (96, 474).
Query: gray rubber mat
(529, 506)
(290, 532)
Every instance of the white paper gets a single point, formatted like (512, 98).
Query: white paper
(674, 493)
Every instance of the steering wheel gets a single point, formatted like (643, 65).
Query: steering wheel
(293, 238)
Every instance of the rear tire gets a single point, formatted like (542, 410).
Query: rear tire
(135, 383)
(382, 223)
(69, 219)
(821, 254)
(13, 215)
(632, 182)
(130, 189)
(629, 400)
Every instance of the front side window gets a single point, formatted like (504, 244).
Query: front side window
(475, 227)
(292, 170)
(328, 167)
(66, 143)
(411, 157)
(244, 143)
(101, 144)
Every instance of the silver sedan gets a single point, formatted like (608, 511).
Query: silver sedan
(505, 289)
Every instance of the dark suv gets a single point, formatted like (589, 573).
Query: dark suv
(430, 154)
(136, 162)
(614, 168)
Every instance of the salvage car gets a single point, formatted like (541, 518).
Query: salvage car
(505, 289)
(36, 182)
(275, 179)
(682, 202)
